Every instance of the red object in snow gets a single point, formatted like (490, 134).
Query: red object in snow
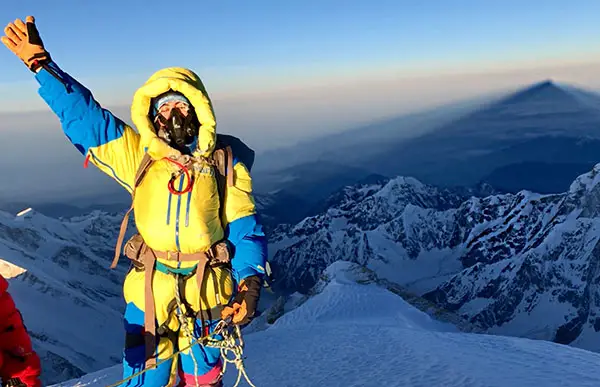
(17, 358)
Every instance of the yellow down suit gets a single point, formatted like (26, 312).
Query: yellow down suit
(187, 223)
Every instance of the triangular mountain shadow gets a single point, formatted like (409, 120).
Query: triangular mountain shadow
(538, 138)
(543, 108)
(545, 125)
(546, 89)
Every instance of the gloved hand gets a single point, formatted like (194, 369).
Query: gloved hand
(243, 306)
(23, 39)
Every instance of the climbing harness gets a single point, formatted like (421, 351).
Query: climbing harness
(231, 341)
(138, 251)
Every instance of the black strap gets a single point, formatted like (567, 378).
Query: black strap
(181, 281)
(164, 330)
(220, 175)
(15, 382)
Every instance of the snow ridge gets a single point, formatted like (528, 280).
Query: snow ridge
(356, 333)
(58, 273)
(516, 264)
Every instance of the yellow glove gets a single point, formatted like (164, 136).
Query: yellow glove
(23, 39)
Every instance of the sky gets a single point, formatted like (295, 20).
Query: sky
(280, 72)
(240, 47)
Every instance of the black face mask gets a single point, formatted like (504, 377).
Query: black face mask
(179, 131)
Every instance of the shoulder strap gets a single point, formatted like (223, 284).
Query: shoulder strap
(240, 149)
(139, 176)
(223, 159)
(142, 169)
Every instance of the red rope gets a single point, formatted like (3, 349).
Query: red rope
(171, 185)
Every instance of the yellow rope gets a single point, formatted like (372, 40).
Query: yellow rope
(232, 343)
(220, 327)
(184, 325)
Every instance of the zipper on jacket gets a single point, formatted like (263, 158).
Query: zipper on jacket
(169, 209)
(187, 209)
(181, 178)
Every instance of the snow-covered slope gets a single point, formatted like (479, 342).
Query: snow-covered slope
(356, 216)
(59, 277)
(355, 333)
(523, 265)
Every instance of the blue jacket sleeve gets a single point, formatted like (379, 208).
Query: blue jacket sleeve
(92, 129)
(84, 121)
(250, 247)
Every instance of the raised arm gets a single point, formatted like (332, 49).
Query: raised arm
(107, 141)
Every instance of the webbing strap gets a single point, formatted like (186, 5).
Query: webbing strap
(199, 279)
(121, 237)
(139, 176)
(149, 312)
(180, 257)
(173, 270)
(229, 173)
(223, 159)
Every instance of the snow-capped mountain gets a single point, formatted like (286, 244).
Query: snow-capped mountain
(523, 265)
(516, 264)
(352, 332)
(59, 276)
(302, 252)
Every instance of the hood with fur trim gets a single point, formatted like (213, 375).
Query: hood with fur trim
(187, 83)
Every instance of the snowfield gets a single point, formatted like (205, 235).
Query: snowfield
(522, 265)
(59, 276)
(353, 332)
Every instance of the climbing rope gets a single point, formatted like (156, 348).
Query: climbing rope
(183, 169)
(221, 326)
(232, 341)
(183, 322)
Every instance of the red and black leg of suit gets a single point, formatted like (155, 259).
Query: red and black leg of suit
(19, 364)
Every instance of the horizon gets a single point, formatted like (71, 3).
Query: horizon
(96, 190)
(280, 74)
(267, 46)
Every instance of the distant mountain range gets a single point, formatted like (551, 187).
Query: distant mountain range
(60, 279)
(522, 264)
(539, 138)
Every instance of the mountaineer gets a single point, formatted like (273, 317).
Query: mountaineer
(200, 252)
